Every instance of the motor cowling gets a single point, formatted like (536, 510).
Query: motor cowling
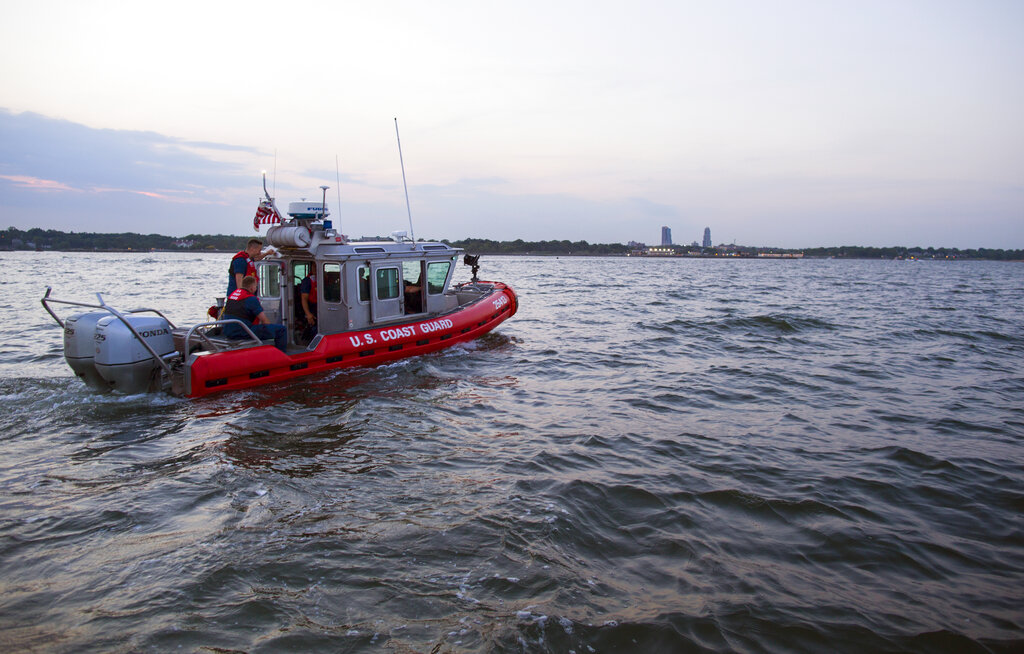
(122, 360)
(80, 347)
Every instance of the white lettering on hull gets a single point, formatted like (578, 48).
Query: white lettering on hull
(395, 333)
(435, 325)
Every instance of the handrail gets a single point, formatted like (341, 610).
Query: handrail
(204, 337)
(481, 287)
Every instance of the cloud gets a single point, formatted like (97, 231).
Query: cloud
(25, 181)
(70, 176)
(81, 157)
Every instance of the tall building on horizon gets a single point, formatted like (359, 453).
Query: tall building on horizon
(666, 236)
(707, 237)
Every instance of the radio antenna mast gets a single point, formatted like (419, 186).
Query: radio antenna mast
(406, 186)
(337, 173)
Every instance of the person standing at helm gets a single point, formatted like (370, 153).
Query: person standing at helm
(307, 297)
(244, 264)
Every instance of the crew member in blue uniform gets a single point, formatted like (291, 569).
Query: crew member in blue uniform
(245, 306)
(244, 263)
(307, 297)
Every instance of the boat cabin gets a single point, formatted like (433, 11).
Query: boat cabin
(358, 285)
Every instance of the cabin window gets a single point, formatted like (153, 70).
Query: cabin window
(270, 280)
(437, 273)
(332, 282)
(387, 283)
(363, 277)
(301, 270)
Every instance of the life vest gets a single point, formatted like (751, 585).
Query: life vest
(234, 307)
(250, 266)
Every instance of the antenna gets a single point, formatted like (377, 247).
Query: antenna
(406, 186)
(323, 205)
(337, 172)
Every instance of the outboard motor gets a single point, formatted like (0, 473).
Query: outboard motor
(80, 347)
(121, 359)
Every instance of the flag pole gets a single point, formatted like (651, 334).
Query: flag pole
(270, 200)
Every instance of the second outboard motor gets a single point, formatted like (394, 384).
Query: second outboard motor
(121, 359)
(80, 347)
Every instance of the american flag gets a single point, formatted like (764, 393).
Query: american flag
(266, 214)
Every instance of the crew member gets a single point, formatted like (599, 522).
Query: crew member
(244, 263)
(413, 297)
(243, 305)
(307, 296)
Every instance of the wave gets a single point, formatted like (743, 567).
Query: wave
(757, 324)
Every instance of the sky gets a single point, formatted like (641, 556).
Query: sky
(785, 123)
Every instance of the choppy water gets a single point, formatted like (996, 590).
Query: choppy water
(651, 456)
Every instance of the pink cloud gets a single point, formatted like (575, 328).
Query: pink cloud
(35, 183)
(148, 194)
(38, 184)
(169, 196)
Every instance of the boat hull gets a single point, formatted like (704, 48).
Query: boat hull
(214, 372)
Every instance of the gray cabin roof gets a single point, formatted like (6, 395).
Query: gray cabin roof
(293, 240)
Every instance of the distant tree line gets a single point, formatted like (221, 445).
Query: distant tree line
(860, 252)
(486, 246)
(49, 239)
(519, 246)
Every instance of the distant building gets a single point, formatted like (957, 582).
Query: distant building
(664, 251)
(707, 237)
(666, 236)
(636, 249)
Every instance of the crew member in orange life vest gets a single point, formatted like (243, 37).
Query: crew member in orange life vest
(245, 306)
(243, 264)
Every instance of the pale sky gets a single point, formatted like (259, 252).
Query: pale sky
(776, 123)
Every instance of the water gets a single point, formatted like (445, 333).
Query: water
(652, 455)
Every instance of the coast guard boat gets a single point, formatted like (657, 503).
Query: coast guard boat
(376, 302)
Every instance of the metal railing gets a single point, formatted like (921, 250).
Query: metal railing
(204, 338)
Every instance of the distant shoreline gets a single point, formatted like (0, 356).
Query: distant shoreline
(558, 255)
(37, 239)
